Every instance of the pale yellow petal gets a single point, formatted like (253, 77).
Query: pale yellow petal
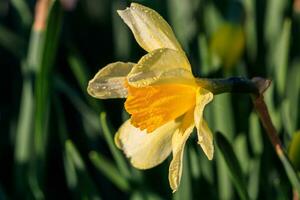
(150, 30)
(145, 150)
(109, 81)
(178, 142)
(205, 137)
(161, 66)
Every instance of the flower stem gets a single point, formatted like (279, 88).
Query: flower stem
(233, 85)
(256, 88)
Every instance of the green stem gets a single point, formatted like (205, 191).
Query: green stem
(232, 85)
(256, 87)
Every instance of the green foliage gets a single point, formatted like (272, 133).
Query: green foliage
(233, 165)
(54, 145)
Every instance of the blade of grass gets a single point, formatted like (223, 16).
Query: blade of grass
(250, 25)
(79, 69)
(121, 35)
(271, 131)
(24, 146)
(44, 83)
(223, 121)
(254, 178)
(206, 167)
(255, 135)
(90, 116)
(23, 10)
(181, 15)
(119, 158)
(109, 170)
(293, 95)
(194, 163)
(78, 177)
(233, 165)
(12, 42)
(241, 149)
(280, 58)
(273, 21)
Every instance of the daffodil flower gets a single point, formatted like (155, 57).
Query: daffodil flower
(164, 99)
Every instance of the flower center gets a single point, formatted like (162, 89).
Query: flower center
(152, 106)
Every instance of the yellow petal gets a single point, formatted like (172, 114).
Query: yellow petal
(145, 150)
(109, 81)
(152, 106)
(205, 137)
(178, 142)
(161, 66)
(150, 30)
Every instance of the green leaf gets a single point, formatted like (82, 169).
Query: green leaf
(78, 178)
(89, 116)
(23, 10)
(254, 178)
(293, 95)
(241, 149)
(274, 17)
(79, 69)
(223, 121)
(233, 165)
(181, 15)
(30, 110)
(250, 28)
(12, 42)
(121, 35)
(255, 134)
(281, 55)
(225, 190)
(44, 82)
(109, 170)
(119, 158)
(291, 172)
(194, 163)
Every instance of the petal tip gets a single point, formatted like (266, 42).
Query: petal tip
(208, 150)
(91, 88)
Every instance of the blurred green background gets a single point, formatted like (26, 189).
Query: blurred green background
(56, 142)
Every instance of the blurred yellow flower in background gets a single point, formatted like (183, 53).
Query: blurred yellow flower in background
(227, 44)
(294, 150)
(163, 97)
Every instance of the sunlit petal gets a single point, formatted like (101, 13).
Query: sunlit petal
(178, 142)
(205, 137)
(150, 30)
(146, 150)
(161, 66)
(109, 81)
